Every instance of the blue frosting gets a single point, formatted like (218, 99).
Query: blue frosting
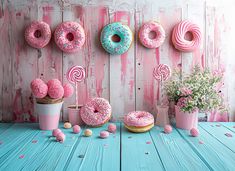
(116, 48)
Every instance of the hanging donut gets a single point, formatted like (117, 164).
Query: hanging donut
(179, 34)
(38, 34)
(121, 33)
(147, 29)
(69, 36)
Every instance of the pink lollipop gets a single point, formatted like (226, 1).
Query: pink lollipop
(162, 72)
(76, 74)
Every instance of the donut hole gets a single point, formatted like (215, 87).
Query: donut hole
(37, 34)
(152, 35)
(70, 36)
(116, 38)
(188, 36)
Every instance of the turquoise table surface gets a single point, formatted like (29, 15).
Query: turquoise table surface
(24, 147)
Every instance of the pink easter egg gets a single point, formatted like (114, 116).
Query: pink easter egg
(55, 132)
(167, 129)
(68, 90)
(112, 128)
(104, 134)
(60, 137)
(194, 132)
(76, 129)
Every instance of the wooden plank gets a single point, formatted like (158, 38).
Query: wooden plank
(210, 150)
(138, 152)
(219, 132)
(175, 152)
(122, 68)
(94, 153)
(4, 127)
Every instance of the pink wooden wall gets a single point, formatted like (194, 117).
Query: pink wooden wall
(125, 80)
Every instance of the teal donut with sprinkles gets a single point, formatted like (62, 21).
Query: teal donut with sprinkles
(116, 38)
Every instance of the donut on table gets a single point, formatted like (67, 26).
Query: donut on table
(138, 121)
(145, 32)
(121, 32)
(96, 112)
(179, 33)
(38, 34)
(69, 36)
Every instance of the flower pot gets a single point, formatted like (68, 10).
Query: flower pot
(74, 115)
(49, 115)
(162, 118)
(186, 120)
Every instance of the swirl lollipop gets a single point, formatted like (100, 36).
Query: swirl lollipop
(75, 75)
(161, 73)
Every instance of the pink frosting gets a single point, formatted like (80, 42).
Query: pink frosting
(53, 82)
(138, 119)
(68, 90)
(178, 36)
(112, 128)
(145, 31)
(69, 36)
(38, 34)
(96, 112)
(104, 134)
(56, 91)
(39, 88)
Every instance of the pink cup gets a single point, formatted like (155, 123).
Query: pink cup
(74, 115)
(186, 120)
(49, 115)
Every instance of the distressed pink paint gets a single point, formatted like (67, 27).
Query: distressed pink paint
(46, 14)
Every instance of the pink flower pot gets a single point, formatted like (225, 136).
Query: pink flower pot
(74, 115)
(162, 118)
(186, 120)
(49, 115)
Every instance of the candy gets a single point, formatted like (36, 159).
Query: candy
(60, 137)
(68, 90)
(104, 134)
(55, 132)
(167, 129)
(162, 72)
(53, 82)
(39, 88)
(88, 132)
(76, 129)
(76, 74)
(56, 91)
(67, 125)
(194, 132)
(112, 128)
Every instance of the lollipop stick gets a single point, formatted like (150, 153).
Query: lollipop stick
(76, 94)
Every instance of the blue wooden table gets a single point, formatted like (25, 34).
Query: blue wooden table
(25, 147)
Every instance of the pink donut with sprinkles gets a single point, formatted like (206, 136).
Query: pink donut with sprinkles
(147, 29)
(69, 36)
(139, 121)
(96, 112)
(179, 33)
(38, 34)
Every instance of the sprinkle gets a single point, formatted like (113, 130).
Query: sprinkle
(148, 142)
(212, 125)
(81, 156)
(233, 126)
(34, 141)
(201, 142)
(228, 135)
(218, 125)
(147, 153)
(129, 137)
(21, 156)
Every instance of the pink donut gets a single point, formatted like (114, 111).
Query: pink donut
(178, 36)
(96, 112)
(138, 119)
(146, 29)
(69, 36)
(38, 34)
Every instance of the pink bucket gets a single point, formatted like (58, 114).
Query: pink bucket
(186, 120)
(49, 115)
(74, 115)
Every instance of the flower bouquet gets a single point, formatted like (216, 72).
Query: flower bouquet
(193, 93)
(49, 97)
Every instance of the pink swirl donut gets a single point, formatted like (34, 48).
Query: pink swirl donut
(96, 112)
(69, 36)
(138, 119)
(38, 34)
(178, 36)
(145, 31)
